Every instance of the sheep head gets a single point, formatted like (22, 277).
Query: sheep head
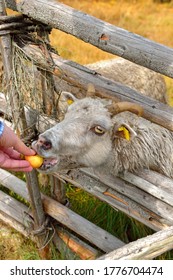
(85, 137)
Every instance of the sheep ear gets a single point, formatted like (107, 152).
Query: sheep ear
(124, 131)
(67, 97)
(64, 101)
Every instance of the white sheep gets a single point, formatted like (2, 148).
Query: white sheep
(104, 135)
(144, 80)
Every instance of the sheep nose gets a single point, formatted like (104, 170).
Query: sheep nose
(44, 143)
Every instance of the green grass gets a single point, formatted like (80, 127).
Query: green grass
(115, 222)
(104, 216)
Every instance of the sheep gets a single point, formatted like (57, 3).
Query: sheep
(106, 136)
(145, 81)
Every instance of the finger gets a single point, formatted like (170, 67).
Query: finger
(25, 169)
(11, 153)
(23, 149)
(9, 163)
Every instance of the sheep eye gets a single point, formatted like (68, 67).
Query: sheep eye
(98, 130)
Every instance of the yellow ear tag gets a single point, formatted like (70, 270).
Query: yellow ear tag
(69, 101)
(126, 133)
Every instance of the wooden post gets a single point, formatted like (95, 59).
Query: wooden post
(48, 97)
(32, 182)
(97, 236)
(6, 50)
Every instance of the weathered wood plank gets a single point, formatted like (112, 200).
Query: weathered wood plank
(144, 248)
(13, 183)
(149, 187)
(136, 194)
(15, 209)
(80, 225)
(103, 35)
(16, 215)
(81, 76)
(105, 242)
(81, 249)
(123, 198)
(162, 182)
(19, 120)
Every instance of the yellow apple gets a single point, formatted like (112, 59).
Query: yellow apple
(35, 161)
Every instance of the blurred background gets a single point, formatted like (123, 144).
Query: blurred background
(149, 18)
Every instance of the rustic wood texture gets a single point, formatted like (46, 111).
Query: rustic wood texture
(16, 210)
(81, 76)
(35, 199)
(103, 35)
(19, 120)
(81, 249)
(11, 93)
(16, 225)
(80, 225)
(137, 191)
(18, 216)
(123, 196)
(144, 248)
(106, 242)
(154, 189)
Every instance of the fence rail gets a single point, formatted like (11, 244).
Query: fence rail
(79, 77)
(103, 35)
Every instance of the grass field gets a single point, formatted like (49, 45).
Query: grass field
(147, 19)
(143, 17)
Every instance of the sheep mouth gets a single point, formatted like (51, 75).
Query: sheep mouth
(48, 164)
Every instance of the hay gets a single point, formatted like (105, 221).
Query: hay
(34, 93)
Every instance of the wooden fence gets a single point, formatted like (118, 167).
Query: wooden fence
(147, 197)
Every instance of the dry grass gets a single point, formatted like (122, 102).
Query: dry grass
(13, 246)
(143, 17)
